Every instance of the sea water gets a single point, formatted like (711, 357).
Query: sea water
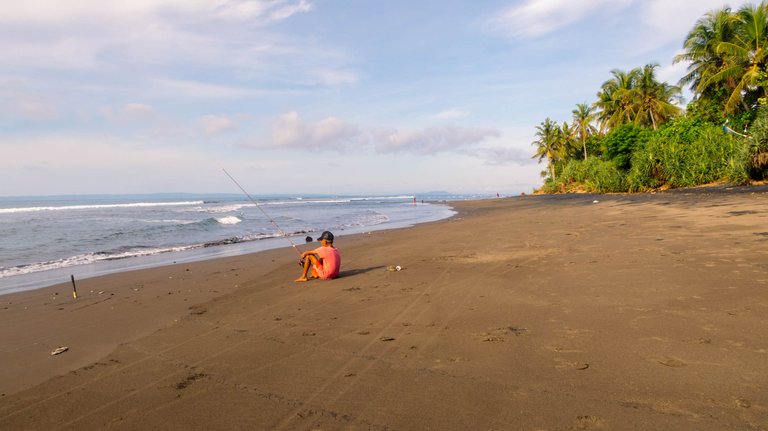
(45, 240)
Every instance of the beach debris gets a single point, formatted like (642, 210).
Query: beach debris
(59, 351)
(393, 268)
(595, 201)
(387, 339)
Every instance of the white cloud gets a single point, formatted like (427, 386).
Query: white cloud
(671, 73)
(184, 89)
(507, 155)
(672, 20)
(93, 164)
(331, 133)
(215, 124)
(534, 18)
(335, 76)
(241, 9)
(449, 114)
(18, 101)
(67, 10)
(138, 109)
(292, 9)
(290, 131)
(96, 36)
(130, 112)
(432, 140)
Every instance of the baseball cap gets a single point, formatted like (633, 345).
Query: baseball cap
(326, 236)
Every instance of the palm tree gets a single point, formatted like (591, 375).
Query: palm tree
(568, 148)
(636, 97)
(700, 49)
(655, 100)
(548, 144)
(728, 51)
(745, 56)
(615, 99)
(583, 119)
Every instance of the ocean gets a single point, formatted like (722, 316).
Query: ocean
(46, 240)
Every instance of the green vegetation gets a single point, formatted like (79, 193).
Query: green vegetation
(636, 137)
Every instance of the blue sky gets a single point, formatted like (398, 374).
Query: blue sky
(307, 96)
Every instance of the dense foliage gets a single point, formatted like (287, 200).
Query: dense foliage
(636, 137)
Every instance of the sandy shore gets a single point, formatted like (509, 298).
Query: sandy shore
(642, 312)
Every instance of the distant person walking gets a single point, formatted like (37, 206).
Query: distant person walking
(323, 262)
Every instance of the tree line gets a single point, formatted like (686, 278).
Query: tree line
(637, 137)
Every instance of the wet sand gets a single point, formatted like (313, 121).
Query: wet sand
(573, 312)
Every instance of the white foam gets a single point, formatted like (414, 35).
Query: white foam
(374, 198)
(98, 206)
(172, 221)
(87, 258)
(222, 208)
(228, 220)
(373, 219)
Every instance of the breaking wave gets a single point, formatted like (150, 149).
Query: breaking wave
(228, 220)
(96, 206)
(128, 252)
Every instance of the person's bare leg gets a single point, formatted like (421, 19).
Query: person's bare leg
(308, 263)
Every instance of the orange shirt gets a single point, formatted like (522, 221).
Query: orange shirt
(330, 261)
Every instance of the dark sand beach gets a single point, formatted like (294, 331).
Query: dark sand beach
(572, 312)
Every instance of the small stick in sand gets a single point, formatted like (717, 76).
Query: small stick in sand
(74, 288)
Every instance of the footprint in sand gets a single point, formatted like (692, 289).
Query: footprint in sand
(197, 310)
(587, 422)
(669, 361)
(577, 333)
(743, 403)
(498, 334)
(561, 349)
(563, 364)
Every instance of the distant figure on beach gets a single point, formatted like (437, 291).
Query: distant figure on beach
(323, 262)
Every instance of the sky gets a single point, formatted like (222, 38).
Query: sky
(308, 96)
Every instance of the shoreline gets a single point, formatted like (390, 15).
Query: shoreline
(50, 277)
(536, 312)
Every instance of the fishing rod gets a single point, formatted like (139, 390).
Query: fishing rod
(280, 231)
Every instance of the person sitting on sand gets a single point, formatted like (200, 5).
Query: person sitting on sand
(324, 261)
